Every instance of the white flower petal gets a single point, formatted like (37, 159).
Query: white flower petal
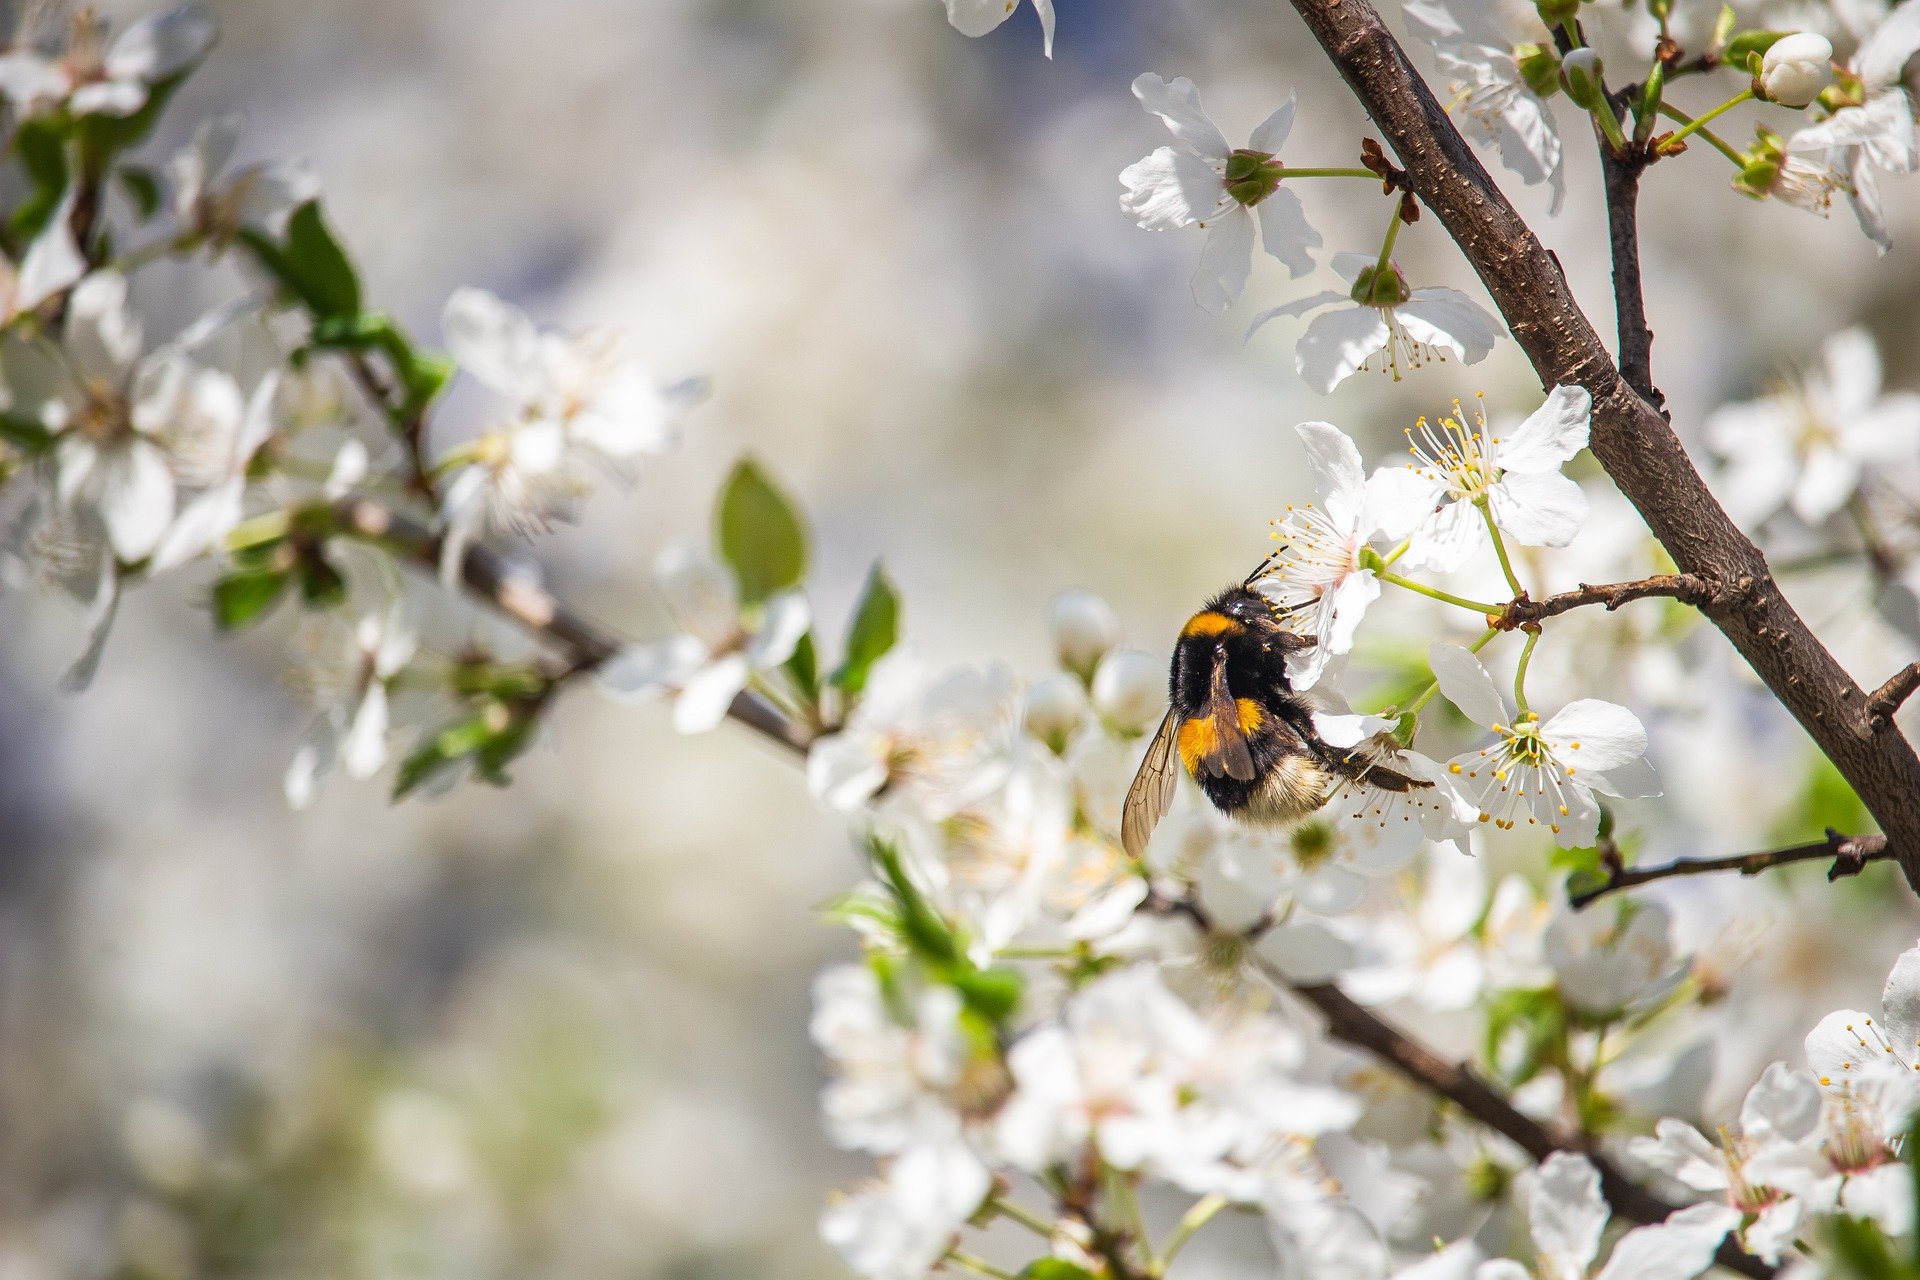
(1568, 1213)
(1900, 1002)
(1596, 735)
(1840, 1051)
(1885, 54)
(1538, 508)
(1285, 231)
(1677, 1249)
(135, 499)
(1225, 260)
(1178, 103)
(786, 620)
(1171, 189)
(164, 45)
(495, 342)
(1298, 307)
(1552, 434)
(1783, 1103)
(1634, 780)
(364, 748)
(1272, 133)
(703, 700)
(1448, 318)
(640, 671)
(1467, 685)
(978, 17)
(1337, 342)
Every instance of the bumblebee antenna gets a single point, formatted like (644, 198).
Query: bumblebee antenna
(1262, 566)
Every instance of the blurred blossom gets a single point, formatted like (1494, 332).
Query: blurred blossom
(1130, 690)
(1205, 183)
(1498, 58)
(1613, 958)
(721, 648)
(1871, 127)
(1382, 318)
(1809, 446)
(95, 77)
(1084, 628)
(353, 682)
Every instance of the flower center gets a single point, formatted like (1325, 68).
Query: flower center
(1376, 288)
(1456, 454)
(105, 417)
(1313, 843)
(1252, 176)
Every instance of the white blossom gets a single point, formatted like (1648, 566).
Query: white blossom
(1548, 770)
(978, 17)
(931, 746)
(1796, 68)
(96, 78)
(1205, 183)
(351, 733)
(1614, 957)
(1568, 1215)
(1463, 472)
(1808, 446)
(214, 203)
(1873, 128)
(574, 404)
(1780, 1116)
(893, 1082)
(1130, 690)
(1381, 318)
(1317, 579)
(1486, 51)
(901, 1226)
(51, 265)
(721, 646)
(124, 420)
(1084, 627)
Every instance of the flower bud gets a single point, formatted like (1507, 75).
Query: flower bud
(1084, 628)
(1130, 690)
(1055, 709)
(1556, 12)
(1796, 68)
(1582, 71)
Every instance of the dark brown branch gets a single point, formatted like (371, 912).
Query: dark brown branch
(1630, 438)
(584, 644)
(1622, 176)
(1684, 587)
(1354, 1024)
(409, 425)
(1887, 698)
(1850, 855)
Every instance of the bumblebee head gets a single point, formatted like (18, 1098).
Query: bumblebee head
(1239, 626)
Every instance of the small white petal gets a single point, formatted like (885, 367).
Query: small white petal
(1285, 231)
(1552, 434)
(1568, 1213)
(1538, 508)
(1337, 343)
(705, 697)
(1468, 686)
(1178, 103)
(1591, 734)
(1225, 261)
(1448, 318)
(1171, 189)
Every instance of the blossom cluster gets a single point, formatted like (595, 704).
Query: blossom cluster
(1042, 1029)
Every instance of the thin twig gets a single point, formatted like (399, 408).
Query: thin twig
(1622, 177)
(584, 644)
(1887, 698)
(1525, 612)
(1630, 438)
(409, 425)
(1850, 855)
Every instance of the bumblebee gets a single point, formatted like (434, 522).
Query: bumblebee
(1239, 728)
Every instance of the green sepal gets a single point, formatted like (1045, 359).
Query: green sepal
(1750, 44)
(1054, 1269)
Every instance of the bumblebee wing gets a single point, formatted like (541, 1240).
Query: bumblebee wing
(1228, 755)
(1151, 794)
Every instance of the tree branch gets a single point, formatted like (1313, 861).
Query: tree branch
(1630, 437)
(1887, 698)
(1622, 176)
(1850, 855)
(1354, 1024)
(1684, 587)
(583, 643)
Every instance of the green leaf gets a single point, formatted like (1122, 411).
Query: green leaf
(440, 752)
(29, 433)
(804, 667)
(41, 143)
(242, 598)
(1054, 1269)
(760, 534)
(1861, 1249)
(874, 630)
(142, 187)
(312, 265)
